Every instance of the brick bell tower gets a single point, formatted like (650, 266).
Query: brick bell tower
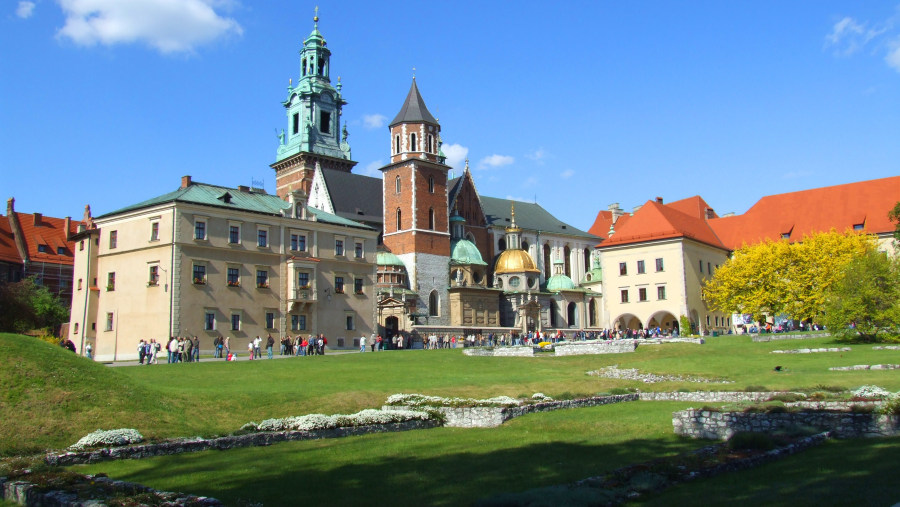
(416, 215)
(314, 137)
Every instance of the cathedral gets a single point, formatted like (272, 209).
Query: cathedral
(448, 258)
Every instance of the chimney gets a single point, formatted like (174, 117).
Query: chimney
(10, 206)
(243, 188)
(616, 211)
(710, 213)
(37, 219)
(659, 200)
(185, 181)
(636, 208)
(68, 224)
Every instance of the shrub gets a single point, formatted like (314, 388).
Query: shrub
(122, 436)
(891, 406)
(751, 441)
(830, 389)
(787, 397)
(755, 389)
(621, 390)
(871, 392)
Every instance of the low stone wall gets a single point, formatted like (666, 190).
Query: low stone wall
(812, 351)
(659, 341)
(491, 417)
(595, 347)
(223, 443)
(886, 347)
(722, 425)
(709, 396)
(26, 493)
(833, 405)
(858, 367)
(771, 337)
(517, 351)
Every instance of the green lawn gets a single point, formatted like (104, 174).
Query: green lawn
(53, 398)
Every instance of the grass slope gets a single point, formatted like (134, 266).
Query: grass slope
(54, 397)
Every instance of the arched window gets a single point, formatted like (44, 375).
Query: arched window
(431, 219)
(433, 309)
(546, 261)
(592, 309)
(397, 184)
(303, 66)
(572, 319)
(430, 143)
(587, 259)
(431, 184)
(501, 244)
(399, 219)
(397, 147)
(525, 246)
(566, 255)
(412, 142)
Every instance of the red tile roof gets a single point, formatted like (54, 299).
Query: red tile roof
(805, 212)
(50, 232)
(8, 250)
(604, 220)
(655, 221)
(693, 206)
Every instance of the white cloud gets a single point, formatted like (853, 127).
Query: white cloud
(538, 155)
(374, 121)
(892, 58)
(25, 9)
(495, 161)
(170, 26)
(372, 168)
(849, 35)
(456, 155)
(568, 173)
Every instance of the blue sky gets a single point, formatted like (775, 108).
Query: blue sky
(574, 104)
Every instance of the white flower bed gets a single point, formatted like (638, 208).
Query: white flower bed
(323, 422)
(871, 392)
(122, 436)
(540, 397)
(421, 400)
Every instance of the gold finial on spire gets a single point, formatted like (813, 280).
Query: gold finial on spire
(414, 72)
(513, 212)
(316, 17)
(290, 81)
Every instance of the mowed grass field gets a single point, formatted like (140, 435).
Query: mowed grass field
(50, 398)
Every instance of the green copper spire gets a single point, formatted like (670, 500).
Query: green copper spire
(314, 106)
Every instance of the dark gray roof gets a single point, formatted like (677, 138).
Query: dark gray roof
(355, 196)
(530, 216)
(455, 185)
(414, 109)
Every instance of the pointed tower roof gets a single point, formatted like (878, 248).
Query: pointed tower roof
(413, 110)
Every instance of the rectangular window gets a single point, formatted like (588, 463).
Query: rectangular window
(709, 268)
(339, 285)
(298, 322)
(199, 229)
(60, 250)
(113, 238)
(659, 264)
(209, 321)
(624, 295)
(199, 274)
(623, 269)
(640, 267)
(349, 322)
(154, 231)
(234, 234)
(701, 266)
(234, 277)
(270, 320)
(81, 245)
(358, 285)
(235, 321)
(111, 281)
(79, 284)
(262, 238)
(338, 247)
(295, 123)
(359, 250)
(303, 280)
(262, 278)
(661, 292)
(324, 122)
(295, 242)
(42, 248)
(154, 275)
(642, 294)
(109, 321)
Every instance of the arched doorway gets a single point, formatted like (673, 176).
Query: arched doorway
(391, 325)
(433, 310)
(663, 320)
(628, 321)
(572, 315)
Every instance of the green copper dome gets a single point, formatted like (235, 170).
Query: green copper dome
(465, 252)
(388, 259)
(560, 282)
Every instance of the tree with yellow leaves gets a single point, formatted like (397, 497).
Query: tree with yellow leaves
(779, 277)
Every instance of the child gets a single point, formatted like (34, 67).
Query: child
(250, 349)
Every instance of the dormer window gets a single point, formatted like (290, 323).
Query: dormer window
(859, 227)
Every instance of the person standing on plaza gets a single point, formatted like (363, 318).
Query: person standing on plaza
(250, 349)
(88, 351)
(256, 347)
(270, 342)
(362, 343)
(227, 345)
(141, 351)
(379, 343)
(196, 348)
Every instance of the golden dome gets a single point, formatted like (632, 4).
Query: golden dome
(515, 261)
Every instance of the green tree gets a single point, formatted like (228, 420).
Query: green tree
(894, 216)
(865, 303)
(779, 277)
(27, 305)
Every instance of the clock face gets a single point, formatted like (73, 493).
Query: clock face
(514, 282)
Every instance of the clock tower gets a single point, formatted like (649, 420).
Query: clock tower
(313, 137)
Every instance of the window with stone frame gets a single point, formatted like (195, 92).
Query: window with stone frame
(303, 280)
(659, 264)
(154, 276)
(358, 285)
(623, 269)
(234, 234)
(642, 294)
(358, 251)
(234, 277)
(640, 267)
(624, 295)
(661, 292)
(200, 229)
(113, 239)
(339, 285)
(262, 278)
